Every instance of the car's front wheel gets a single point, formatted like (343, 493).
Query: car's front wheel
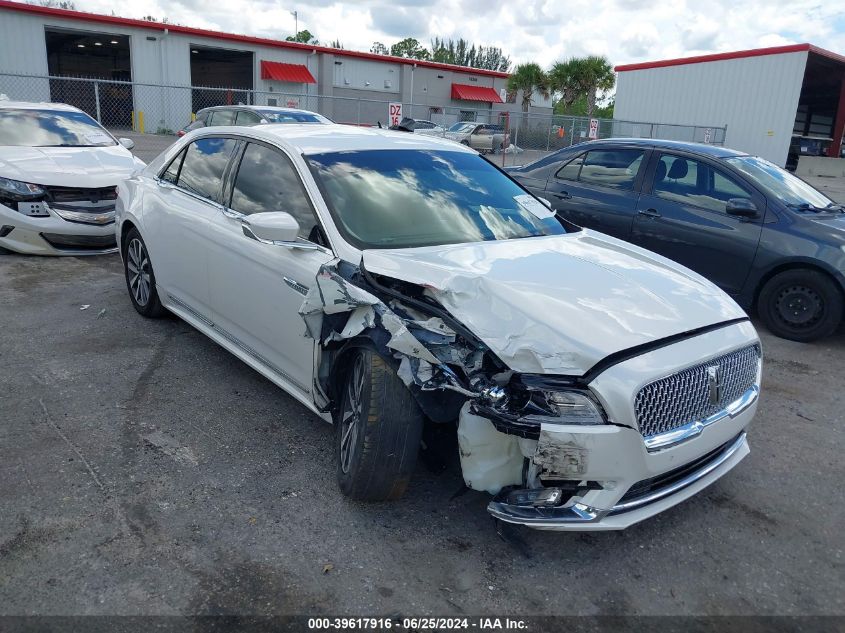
(140, 278)
(379, 427)
(801, 305)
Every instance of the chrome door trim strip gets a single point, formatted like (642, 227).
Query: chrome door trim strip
(236, 341)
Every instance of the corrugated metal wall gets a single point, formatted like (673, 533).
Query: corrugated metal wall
(756, 97)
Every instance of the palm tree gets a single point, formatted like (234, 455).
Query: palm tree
(565, 79)
(531, 79)
(594, 74)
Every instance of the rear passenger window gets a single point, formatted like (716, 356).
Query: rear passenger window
(203, 166)
(570, 170)
(245, 117)
(222, 117)
(616, 168)
(267, 181)
(172, 172)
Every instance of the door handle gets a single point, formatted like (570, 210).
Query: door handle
(562, 195)
(649, 213)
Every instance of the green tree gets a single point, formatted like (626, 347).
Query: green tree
(462, 53)
(531, 79)
(565, 80)
(336, 44)
(379, 49)
(410, 48)
(303, 37)
(595, 75)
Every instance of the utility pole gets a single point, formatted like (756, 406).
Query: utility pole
(296, 25)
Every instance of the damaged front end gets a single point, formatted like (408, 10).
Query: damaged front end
(518, 433)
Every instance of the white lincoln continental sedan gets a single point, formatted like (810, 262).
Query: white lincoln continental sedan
(387, 279)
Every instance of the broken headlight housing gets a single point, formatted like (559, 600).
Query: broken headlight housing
(566, 407)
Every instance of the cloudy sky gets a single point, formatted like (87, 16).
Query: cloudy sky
(624, 30)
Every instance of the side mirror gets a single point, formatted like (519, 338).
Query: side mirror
(277, 227)
(741, 208)
(128, 143)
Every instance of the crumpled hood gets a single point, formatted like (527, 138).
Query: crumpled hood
(68, 166)
(558, 305)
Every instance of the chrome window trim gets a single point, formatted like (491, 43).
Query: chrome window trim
(691, 429)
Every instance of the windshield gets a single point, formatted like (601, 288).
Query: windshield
(459, 127)
(780, 183)
(50, 128)
(293, 117)
(407, 198)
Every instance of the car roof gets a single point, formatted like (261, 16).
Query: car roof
(261, 109)
(33, 105)
(715, 151)
(334, 137)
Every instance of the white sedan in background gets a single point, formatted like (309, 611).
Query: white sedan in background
(390, 280)
(59, 171)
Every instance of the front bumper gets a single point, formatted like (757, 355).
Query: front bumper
(580, 516)
(53, 236)
(609, 475)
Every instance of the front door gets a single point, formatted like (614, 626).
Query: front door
(682, 216)
(257, 289)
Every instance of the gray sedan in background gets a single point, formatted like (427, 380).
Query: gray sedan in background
(766, 237)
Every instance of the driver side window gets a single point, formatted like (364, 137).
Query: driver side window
(267, 181)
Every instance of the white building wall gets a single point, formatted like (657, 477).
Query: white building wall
(755, 97)
(364, 74)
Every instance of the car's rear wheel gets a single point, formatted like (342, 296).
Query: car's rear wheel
(140, 278)
(379, 427)
(801, 305)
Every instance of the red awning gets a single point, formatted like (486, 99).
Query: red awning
(475, 93)
(294, 73)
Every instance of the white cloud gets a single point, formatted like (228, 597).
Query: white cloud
(543, 31)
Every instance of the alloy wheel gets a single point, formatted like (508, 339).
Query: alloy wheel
(138, 265)
(351, 418)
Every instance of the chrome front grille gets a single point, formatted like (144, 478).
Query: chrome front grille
(696, 393)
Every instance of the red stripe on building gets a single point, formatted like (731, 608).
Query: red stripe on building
(232, 37)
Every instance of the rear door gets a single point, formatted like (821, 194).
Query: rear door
(598, 189)
(181, 211)
(223, 116)
(681, 215)
(257, 289)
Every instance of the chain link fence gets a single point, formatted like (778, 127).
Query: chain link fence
(514, 138)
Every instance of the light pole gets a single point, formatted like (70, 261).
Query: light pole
(296, 25)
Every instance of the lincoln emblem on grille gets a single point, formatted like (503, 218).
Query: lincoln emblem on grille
(714, 385)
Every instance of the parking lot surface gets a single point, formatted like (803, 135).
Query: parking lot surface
(145, 470)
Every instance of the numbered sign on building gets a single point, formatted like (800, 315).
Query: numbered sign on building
(707, 134)
(394, 113)
(594, 128)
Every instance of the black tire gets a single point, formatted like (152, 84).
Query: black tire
(378, 440)
(465, 143)
(140, 278)
(801, 305)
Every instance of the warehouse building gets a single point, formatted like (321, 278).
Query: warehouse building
(40, 45)
(778, 103)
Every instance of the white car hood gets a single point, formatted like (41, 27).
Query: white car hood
(68, 166)
(558, 305)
